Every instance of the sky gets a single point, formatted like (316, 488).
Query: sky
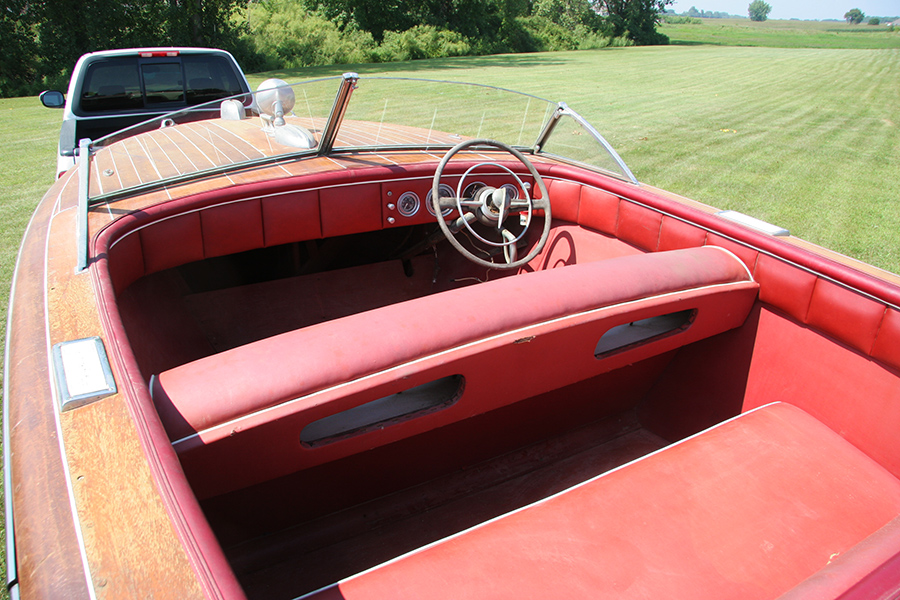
(797, 9)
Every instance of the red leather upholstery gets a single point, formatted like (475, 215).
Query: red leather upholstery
(215, 389)
(675, 234)
(747, 509)
(638, 225)
(847, 315)
(788, 274)
(232, 228)
(291, 217)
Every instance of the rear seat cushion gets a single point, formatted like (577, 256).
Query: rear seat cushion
(747, 509)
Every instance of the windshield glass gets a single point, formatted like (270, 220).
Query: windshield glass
(409, 112)
(279, 122)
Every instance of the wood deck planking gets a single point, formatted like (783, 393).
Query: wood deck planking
(46, 538)
(103, 453)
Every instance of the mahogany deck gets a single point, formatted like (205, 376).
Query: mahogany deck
(172, 151)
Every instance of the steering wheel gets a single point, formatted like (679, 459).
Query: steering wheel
(491, 207)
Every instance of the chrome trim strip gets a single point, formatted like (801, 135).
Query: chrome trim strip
(12, 576)
(596, 134)
(753, 223)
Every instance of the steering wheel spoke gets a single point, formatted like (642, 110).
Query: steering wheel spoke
(510, 251)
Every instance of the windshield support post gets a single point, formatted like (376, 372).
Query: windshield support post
(549, 127)
(348, 84)
(81, 219)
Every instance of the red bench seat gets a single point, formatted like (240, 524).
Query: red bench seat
(250, 407)
(224, 386)
(747, 509)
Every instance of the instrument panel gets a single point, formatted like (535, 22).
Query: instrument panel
(408, 202)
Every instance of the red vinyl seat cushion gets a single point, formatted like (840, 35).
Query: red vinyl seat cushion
(228, 385)
(747, 509)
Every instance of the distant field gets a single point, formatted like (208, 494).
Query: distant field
(808, 139)
(783, 34)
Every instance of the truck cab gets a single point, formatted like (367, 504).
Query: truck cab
(115, 89)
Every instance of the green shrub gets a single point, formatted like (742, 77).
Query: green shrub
(422, 41)
(291, 38)
(680, 20)
(547, 36)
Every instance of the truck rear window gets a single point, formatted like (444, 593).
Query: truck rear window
(112, 84)
(116, 84)
(209, 78)
(163, 82)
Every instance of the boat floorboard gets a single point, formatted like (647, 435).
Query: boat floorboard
(288, 563)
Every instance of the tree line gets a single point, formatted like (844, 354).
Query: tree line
(40, 40)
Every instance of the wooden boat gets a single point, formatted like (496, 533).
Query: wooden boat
(245, 359)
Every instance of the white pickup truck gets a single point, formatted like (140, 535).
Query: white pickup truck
(115, 89)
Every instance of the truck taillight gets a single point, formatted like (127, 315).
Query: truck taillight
(157, 54)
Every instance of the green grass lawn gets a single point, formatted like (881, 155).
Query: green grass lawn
(783, 34)
(804, 138)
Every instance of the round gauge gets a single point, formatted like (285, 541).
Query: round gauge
(511, 190)
(446, 192)
(472, 188)
(408, 204)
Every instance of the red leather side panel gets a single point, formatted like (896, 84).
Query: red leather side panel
(846, 315)
(291, 217)
(172, 242)
(126, 262)
(747, 509)
(565, 197)
(887, 344)
(846, 390)
(785, 286)
(675, 234)
(598, 210)
(350, 209)
(639, 226)
(231, 228)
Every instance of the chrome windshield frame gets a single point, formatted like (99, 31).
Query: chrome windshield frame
(564, 110)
